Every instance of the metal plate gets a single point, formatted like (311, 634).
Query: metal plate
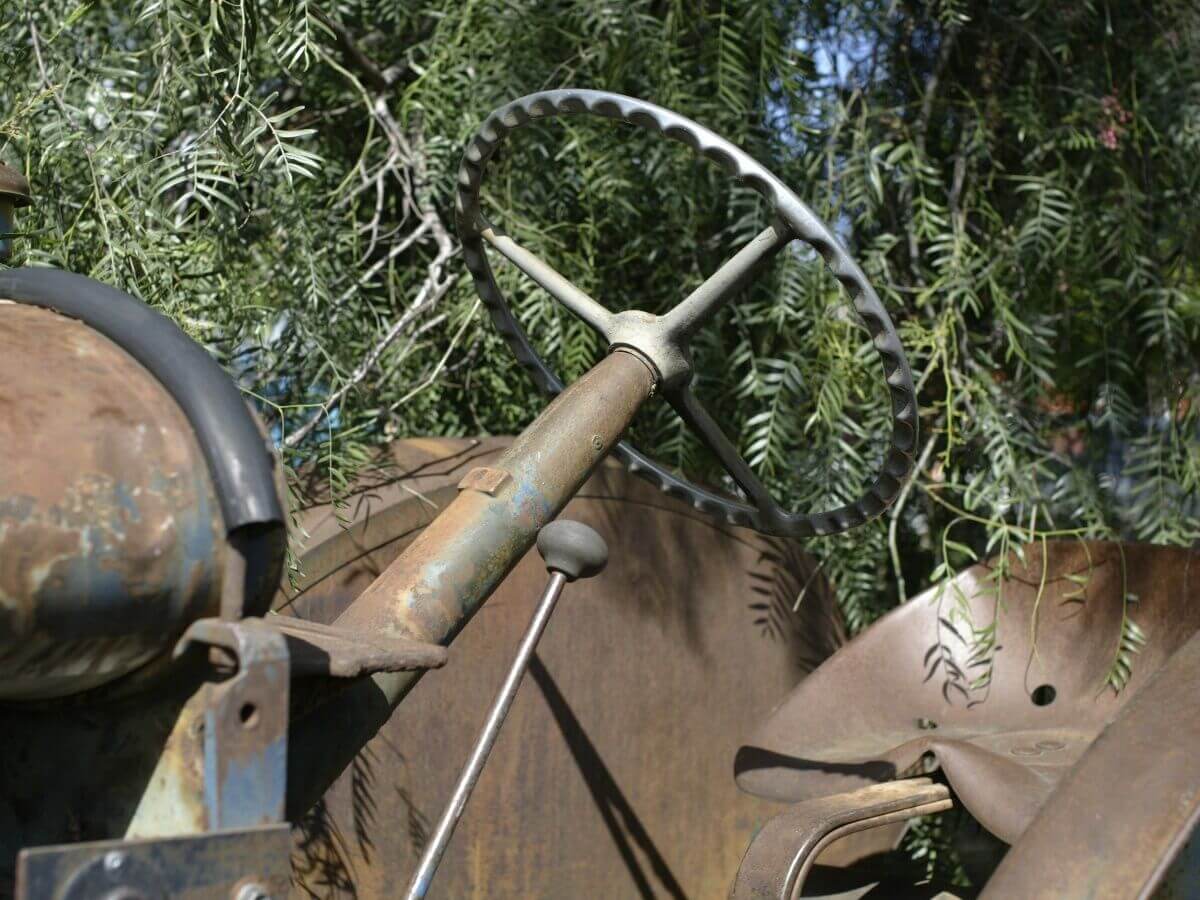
(239, 865)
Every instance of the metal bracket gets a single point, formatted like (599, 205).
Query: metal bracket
(318, 649)
(783, 851)
(485, 479)
(249, 864)
(245, 722)
(239, 730)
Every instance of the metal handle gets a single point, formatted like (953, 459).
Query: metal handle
(571, 550)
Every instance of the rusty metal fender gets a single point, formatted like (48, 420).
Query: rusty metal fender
(111, 539)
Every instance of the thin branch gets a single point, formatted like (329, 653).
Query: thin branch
(376, 78)
(395, 250)
(437, 283)
(897, 508)
(432, 290)
(35, 39)
(441, 363)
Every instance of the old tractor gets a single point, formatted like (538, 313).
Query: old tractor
(179, 720)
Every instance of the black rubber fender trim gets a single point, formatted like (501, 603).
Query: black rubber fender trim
(241, 464)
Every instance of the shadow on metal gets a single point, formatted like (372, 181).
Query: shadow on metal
(627, 830)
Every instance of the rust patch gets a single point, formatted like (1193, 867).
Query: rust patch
(110, 536)
(484, 479)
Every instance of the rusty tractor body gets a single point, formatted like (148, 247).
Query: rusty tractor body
(183, 719)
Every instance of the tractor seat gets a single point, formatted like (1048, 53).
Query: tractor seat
(1005, 678)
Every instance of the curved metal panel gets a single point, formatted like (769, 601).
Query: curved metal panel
(111, 540)
(242, 465)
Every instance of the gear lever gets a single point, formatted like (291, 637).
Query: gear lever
(570, 550)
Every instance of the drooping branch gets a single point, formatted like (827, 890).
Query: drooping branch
(920, 135)
(376, 78)
(437, 282)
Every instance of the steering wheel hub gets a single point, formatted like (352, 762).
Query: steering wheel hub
(652, 337)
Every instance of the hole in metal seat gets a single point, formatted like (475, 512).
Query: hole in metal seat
(1043, 695)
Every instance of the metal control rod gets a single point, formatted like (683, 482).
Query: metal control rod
(571, 550)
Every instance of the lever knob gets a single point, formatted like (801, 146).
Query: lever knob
(572, 549)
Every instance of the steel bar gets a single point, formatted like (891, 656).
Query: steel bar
(718, 289)
(431, 589)
(419, 885)
(552, 281)
(783, 852)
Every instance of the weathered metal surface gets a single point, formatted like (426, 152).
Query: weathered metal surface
(484, 480)
(245, 723)
(433, 588)
(249, 864)
(911, 684)
(1128, 808)
(225, 763)
(781, 855)
(613, 774)
(111, 539)
(665, 340)
(183, 756)
(76, 772)
(240, 461)
(691, 631)
(317, 649)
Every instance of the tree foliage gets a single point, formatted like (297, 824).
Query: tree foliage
(1018, 179)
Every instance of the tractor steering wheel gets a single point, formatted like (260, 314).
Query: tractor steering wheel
(664, 341)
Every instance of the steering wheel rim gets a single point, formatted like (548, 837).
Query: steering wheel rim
(765, 514)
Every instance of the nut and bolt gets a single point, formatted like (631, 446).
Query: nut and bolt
(14, 193)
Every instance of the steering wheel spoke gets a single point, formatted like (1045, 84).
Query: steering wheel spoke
(719, 288)
(693, 413)
(551, 280)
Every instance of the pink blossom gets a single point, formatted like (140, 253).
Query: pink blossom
(1113, 119)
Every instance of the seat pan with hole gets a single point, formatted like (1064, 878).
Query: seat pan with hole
(1004, 681)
